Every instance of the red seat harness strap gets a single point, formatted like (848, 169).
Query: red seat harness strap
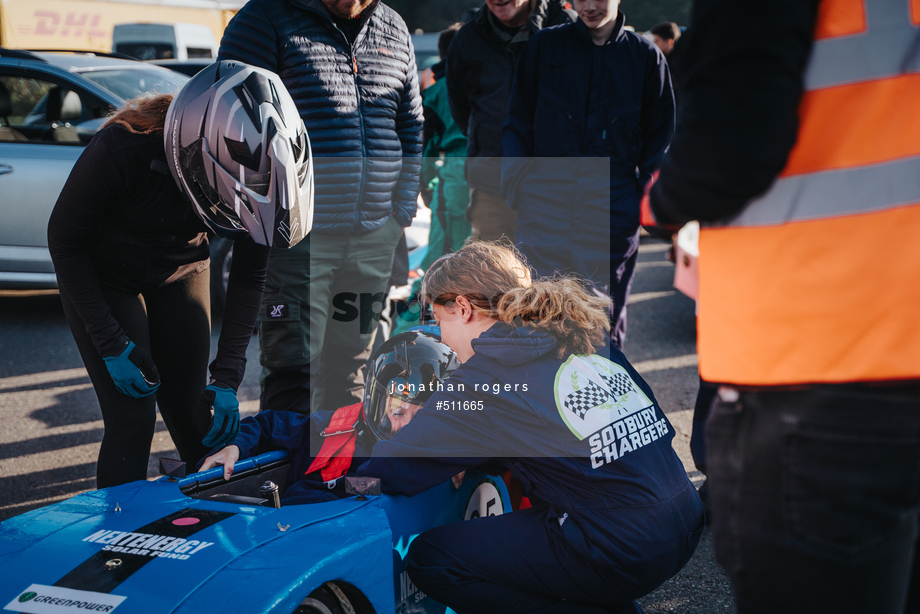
(340, 437)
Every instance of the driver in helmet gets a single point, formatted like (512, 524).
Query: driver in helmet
(327, 445)
(399, 412)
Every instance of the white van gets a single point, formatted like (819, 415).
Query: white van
(164, 41)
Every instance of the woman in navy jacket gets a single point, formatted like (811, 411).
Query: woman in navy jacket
(613, 514)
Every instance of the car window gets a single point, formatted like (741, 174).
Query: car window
(39, 111)
(128, 83)
(147, 51)
(199, 52)
(24, 95)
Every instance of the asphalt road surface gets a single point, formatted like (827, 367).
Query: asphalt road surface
(50, 425)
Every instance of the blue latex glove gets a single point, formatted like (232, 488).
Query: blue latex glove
(133, 372)
(224, 425)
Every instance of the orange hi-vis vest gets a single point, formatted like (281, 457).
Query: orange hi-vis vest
(818, 280)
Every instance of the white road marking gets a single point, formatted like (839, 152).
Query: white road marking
(656, 264)
(652, 248)
(662, 364)
(648, 296)
(34, 379)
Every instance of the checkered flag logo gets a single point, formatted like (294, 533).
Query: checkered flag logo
(619, 384)
(592, 392)
(580, 401)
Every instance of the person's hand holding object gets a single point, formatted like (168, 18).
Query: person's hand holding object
(226, 457)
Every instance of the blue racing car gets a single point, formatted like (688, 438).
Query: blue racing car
(203, 544)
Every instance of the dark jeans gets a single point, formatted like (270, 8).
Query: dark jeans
(622, 272)
(816, 497)
(701, 410)
(490, 216)
(172, 324)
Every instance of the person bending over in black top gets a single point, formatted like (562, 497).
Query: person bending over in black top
(131, 256)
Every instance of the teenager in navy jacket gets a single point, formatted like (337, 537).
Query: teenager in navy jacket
(590, 116)
(613, 514)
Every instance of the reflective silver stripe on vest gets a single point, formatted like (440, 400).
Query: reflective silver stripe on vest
(827, 194)
(889, 47)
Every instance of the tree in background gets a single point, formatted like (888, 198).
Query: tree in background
(435, 15)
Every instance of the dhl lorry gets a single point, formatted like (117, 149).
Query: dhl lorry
(88, 25)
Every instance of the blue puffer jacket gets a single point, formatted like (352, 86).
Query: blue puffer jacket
(360, 103)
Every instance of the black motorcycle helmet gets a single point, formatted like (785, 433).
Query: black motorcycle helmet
(402, 376)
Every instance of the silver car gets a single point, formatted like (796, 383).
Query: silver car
(51, 105)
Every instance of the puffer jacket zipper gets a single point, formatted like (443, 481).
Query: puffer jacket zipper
(353, 56)
(361, 190)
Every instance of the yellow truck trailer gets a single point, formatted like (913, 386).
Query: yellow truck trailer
(87, 25)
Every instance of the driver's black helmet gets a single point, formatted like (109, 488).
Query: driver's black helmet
(405, 370)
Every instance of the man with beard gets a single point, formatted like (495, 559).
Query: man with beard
(482, 59)
(350, 67)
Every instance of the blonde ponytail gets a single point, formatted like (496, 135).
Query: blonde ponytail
(561, 307)
(496, 280)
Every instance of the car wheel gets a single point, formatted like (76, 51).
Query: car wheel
(221, 257)
(327, 599)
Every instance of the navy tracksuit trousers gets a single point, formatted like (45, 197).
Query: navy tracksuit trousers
(516, 563)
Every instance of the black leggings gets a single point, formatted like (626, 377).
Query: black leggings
(172, 324)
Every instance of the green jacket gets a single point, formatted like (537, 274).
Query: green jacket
(442, 135)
